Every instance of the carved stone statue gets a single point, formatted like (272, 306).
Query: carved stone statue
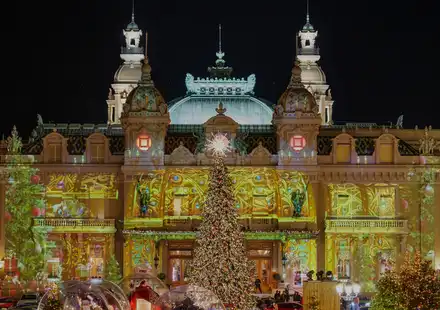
(14, 143)
(427, 144)
(399, 123)
(39, 120)
(144, 199)
(110, 94)
(298, 198)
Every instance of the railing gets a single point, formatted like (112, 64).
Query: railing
(132, 50)
(346, 225)
(63, 222)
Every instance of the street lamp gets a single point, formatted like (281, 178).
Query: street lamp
(347, 291)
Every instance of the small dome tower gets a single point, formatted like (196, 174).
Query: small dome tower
(145, 119)
(312, 75)
(129, 72)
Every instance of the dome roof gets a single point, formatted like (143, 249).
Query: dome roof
(128, 73)
(145, 97)
(132, 26)
(297, 97)
(312, 74)
(244, 109)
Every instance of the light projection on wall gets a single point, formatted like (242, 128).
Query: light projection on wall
(301, 258)
(371, 200)
(381, 200)
(258, 191)
(151, 183)
(346, 200)
(361, 257)
(143, 142)
(138, 252)
(79, 195)
(297, 143)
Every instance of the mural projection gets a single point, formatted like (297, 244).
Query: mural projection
(346, 200)
(79, 196)
(381, 200)
(374, 200)
(185, 191)
(254, 190)
(362, 257)
(146, 195)
(375, 253)
(138, 252)
(410, 208)
(301, 258)
(296, 197)
(258, 191)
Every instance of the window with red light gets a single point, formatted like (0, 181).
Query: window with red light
(143, 142)
(297, 143)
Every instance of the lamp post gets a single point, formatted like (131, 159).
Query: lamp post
(347, 291)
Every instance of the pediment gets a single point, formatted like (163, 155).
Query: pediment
(182, 156)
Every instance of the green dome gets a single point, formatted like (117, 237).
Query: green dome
(132, 26)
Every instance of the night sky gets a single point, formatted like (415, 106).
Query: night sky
(380, 57)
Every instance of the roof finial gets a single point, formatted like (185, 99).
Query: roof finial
(307, 16)
(220, 54)
(146, 68)
(220, 38)
(132, 11)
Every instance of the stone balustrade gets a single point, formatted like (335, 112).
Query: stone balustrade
(76, 224)
(366, 226)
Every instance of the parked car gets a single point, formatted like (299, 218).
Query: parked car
(289, 306)
(28, 299)
(7, 302)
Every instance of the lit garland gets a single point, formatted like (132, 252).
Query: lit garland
(285, 235)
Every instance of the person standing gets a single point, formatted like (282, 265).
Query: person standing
(258, 285)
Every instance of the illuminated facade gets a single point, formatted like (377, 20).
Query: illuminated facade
(311, 195)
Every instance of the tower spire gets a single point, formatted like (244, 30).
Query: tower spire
(220, 53)
(220, 70)
(308, 26)
(132, 11)
(307, 15)
(220, 37)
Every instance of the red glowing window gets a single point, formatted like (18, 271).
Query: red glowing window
(297, 143)
(143, 142)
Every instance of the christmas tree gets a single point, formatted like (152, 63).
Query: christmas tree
(220, 263)
(414, 285)
(23, 197)
(112, 270)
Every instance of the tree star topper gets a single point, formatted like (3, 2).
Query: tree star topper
(219, 145)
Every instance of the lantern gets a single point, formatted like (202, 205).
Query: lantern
(143, 142)
(297, 143)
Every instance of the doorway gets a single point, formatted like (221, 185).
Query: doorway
(264, 272)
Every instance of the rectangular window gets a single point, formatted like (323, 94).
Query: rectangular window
(97, 153)
(343, 153)
(55, 153)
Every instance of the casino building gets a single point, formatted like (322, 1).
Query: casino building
(312, 195)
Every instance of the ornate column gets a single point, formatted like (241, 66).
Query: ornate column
(437, 227)
(164, 247)
(2, 217)
(320, 198)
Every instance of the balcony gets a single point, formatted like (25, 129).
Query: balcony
(75, 225)
(350, 226)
